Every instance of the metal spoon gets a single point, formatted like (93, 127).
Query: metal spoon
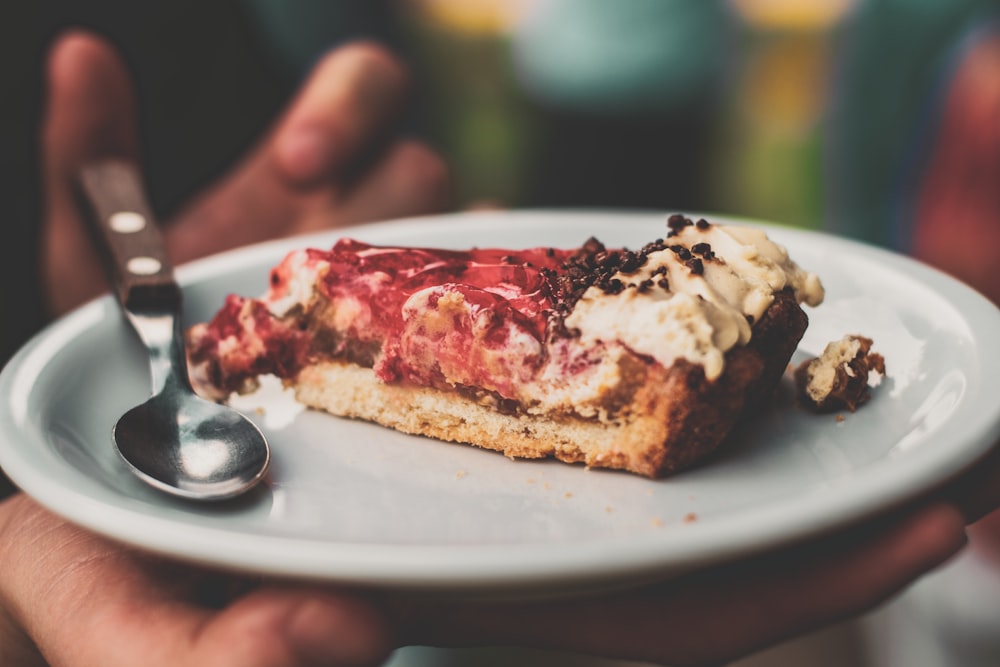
(175, 441)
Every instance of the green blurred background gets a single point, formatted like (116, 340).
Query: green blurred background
(813, 113)
(759, 107)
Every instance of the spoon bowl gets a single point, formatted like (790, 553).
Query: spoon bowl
(176, 441)
(203, 449)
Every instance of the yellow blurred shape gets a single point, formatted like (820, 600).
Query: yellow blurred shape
(784, 89)
(474, 17)
(792, 14)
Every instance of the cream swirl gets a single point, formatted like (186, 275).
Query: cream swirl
(696, 298)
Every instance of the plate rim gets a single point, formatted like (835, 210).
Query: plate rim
(494, 565)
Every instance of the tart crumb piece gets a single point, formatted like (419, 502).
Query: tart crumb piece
(841, 376)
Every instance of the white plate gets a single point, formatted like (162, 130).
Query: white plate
(352, 502)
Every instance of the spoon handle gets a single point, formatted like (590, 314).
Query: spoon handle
(114, 203)
(113, 196)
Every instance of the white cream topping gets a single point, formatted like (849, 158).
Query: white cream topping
(301, 274)
(698, 316)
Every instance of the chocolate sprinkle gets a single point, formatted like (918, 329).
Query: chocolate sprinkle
(703, 249)
(682, 253)
(630, 262)
(676, 223)
(594, 265)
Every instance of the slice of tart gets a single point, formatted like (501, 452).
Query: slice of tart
(638, 360)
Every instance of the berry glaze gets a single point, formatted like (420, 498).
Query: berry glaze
(543, 329)
(504, 284)
(425, 316)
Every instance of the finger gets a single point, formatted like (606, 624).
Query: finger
(410, 180)
(90, 113)
(275, 627)
(713, 617)
(977, 493)
(270, 627)
(843, 580)
(88, 602)
(346, 106)
(296, 179)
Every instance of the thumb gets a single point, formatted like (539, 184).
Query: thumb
(90, 113)
(346, 108)
(91, 110)
(279, 627)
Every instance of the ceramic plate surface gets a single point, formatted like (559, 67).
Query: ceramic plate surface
(353, 502)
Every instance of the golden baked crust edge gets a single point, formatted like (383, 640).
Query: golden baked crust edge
(674, 419)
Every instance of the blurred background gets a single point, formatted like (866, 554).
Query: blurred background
(647, 103)
(815, 113)
(877, 119)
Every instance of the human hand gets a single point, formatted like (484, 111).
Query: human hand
(727, 612)
(69, 598)
(327, 162)
(714, 616)
(78, 599)
(978, 494)
(81, 600)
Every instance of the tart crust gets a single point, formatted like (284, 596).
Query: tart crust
(674, 417)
